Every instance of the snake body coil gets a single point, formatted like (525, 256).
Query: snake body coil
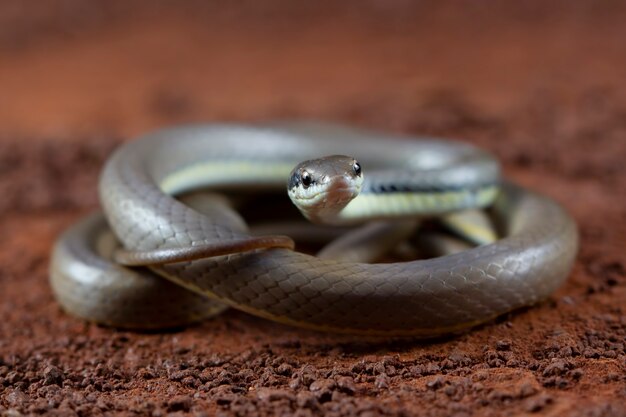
(421, 298)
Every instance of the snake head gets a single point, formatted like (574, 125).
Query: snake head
(321, 188)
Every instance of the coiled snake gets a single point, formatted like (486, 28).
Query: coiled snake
(263, 275)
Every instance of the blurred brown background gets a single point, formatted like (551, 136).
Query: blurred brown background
(540, 84)
(74, 66)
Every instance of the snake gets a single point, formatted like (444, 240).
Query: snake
(109, 267)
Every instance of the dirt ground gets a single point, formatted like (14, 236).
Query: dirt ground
(540, 84)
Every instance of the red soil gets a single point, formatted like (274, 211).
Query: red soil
(541, 86)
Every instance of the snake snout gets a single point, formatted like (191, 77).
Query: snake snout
(340, 190)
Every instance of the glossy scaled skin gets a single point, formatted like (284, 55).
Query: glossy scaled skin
(421, 298)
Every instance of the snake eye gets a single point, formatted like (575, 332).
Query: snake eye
(357, 168)
(306, 179)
